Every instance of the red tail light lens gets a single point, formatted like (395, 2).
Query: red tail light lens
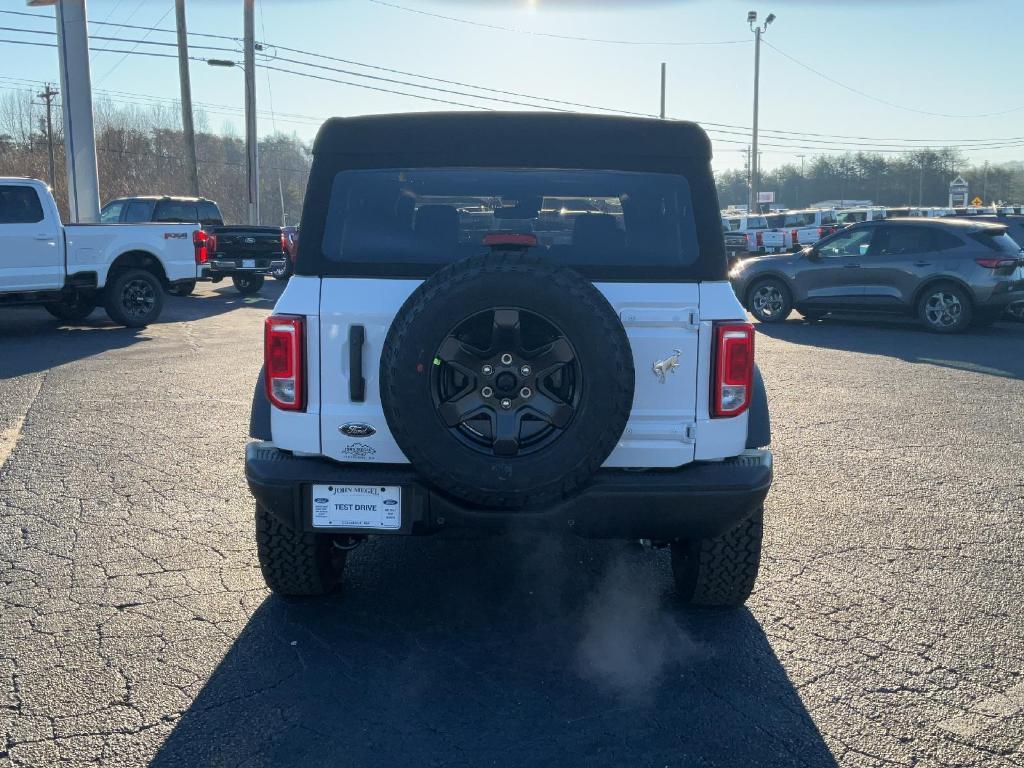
(796, 236)
(760, 240)
(996, 263)
(821, 232)
(283, 359)
(733, 365)
(205, 244)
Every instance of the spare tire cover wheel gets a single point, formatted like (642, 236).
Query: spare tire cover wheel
(507, 380)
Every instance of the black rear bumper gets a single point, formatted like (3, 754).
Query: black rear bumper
(699, 500)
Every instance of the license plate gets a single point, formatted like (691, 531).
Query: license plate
(248, 263)
(357, 506)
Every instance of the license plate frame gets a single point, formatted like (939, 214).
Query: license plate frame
(352, 506)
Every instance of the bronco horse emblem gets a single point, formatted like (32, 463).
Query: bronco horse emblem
(668, 365)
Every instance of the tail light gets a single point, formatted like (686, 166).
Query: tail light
(760, 240)
(733, 367)
(283, 359)
(795, 236)
(821, 232)
(205, 245)
(996, 263)
(284, 243)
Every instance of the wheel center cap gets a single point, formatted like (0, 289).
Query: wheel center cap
(505, 382)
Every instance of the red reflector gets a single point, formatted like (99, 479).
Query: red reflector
(995, 263)
(283, 358)
(734, 369)
(527, 239)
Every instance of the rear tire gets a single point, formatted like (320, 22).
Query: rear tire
(247, 285)
(134, 298)
(1015, 312)
(719, 572)
(769, 300)
(182, 289)
(945, 308)
(294, 562)
(74, 308)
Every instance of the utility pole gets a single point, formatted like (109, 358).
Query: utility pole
(47, 95)
(758, 30)
(663, 90)
(187, 125)
(984, 185)
(252, 159)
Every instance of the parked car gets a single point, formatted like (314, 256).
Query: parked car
(743, 234)
(70, 269)
(850, 216)
(792, 230)
(951, 273)
(503, 383)
(245, 253)
(291, 242)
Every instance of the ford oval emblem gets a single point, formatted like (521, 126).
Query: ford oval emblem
(390, 502)
(249, 240)
(321, 500)
(357, 430)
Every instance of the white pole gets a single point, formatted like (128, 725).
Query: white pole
(76, 85)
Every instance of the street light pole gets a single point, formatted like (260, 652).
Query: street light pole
(663, 90)
(252, 158)
(754, 169)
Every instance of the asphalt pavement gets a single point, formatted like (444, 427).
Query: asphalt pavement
(887, 625)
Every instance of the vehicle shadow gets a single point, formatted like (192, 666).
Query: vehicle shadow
(988, 351)
(498, 652)
(31, 340)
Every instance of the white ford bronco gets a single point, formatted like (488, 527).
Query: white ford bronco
(504, 321)
(70, 269)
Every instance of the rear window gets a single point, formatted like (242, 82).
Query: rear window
(176, 211)
(802, 219)
(1001, 242)
(139, 211)
(580, 217)
(209, 214)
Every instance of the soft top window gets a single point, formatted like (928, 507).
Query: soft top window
(581, 218)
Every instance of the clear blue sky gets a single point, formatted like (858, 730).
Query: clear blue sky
(958, 58)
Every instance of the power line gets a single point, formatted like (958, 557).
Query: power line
(574, 38)
(119, 40)
(374, 88)
(50, 17)
(892, 104)
(134, 47)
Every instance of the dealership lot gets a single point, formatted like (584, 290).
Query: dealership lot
(887, 627)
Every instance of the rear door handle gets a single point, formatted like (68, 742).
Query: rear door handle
(44, 236)
(851, 266)
(356, 381)
(922, 263)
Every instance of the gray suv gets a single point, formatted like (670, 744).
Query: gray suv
(950, 273)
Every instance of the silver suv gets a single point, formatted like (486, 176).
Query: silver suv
(951, 274)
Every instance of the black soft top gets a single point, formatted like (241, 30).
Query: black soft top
(541, 140)
(510, 139)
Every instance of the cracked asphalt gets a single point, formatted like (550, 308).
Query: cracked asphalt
(887, 626)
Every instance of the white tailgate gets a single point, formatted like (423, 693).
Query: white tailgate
(659, 318)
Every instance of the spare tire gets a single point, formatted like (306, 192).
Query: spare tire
(507, 380)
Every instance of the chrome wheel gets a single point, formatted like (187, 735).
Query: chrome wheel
(768, 302)
(138, 298)
(943, 309)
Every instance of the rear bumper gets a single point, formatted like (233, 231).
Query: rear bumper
(699, 500)
(260, 266)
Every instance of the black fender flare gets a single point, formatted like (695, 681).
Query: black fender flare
(259, 417)
(759, 428)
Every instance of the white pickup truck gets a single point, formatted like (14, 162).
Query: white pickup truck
(71, 269)
(793, 230)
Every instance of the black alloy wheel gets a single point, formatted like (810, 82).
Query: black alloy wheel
(505, 381)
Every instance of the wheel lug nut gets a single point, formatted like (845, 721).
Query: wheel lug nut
(525, 370)
(486, 392)
(525, 392)
(506, 403)
(487, 370)
(506, 359)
